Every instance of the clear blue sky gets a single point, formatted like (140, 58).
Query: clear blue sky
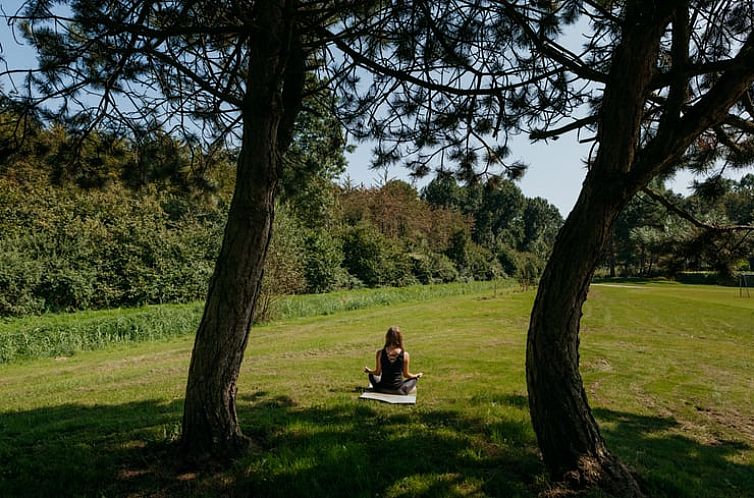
(556, 169)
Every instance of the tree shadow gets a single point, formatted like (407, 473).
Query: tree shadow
(672, 462)
(99, 450)
(347, 448)
(364, 449)
(351, 449)
(669, 461)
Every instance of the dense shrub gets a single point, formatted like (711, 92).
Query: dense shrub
(65, 249)
(481, 264)
(366, 254)
(19, 277)
(323, 257)
(430, 267)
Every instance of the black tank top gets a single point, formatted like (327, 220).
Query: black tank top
(392, 371)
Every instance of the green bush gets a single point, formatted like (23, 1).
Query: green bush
(510, 259)
(431, 267)
(19, 277)
(367, 254)
(323, 255)
(481, 263)
(66, 249)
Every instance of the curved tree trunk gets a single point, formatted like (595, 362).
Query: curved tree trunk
(568, 435)
(572, 447)
(210, 422)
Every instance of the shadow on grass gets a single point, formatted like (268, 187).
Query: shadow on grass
(364, 449)
(669, 463)
(75, 450)
(351, 449)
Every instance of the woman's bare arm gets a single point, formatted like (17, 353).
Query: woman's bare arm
(378, 369)
(406, 373)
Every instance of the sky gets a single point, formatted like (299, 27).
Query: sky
(556, 168)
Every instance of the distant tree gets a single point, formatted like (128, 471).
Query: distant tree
(499, 215)
(443, 191)
(367, 254)
(541, 222)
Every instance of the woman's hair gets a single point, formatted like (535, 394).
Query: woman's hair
(393, 337)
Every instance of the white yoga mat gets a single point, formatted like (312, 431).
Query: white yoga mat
(403, 399)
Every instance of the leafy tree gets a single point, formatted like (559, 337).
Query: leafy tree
(367, 254)
(499, 216)
(541, 222)
(443, 191)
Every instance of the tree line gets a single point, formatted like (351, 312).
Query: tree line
(674, 239)
(126, 224)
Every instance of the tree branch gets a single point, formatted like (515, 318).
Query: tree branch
(740, 123)
(378, 68)
(551, 49)
(681, 213)
(554, 133)
(713, 108)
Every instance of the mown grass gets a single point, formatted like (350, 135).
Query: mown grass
(668, 368)
(64, 334)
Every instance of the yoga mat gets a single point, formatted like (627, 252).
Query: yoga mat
(402, 399)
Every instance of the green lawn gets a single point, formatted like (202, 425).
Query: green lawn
(669, 370)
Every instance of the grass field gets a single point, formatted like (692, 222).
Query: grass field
(669, 370)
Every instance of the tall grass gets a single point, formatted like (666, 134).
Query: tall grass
(56, 335)
(335, 302)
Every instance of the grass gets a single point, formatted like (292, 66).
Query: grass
(669, 370)
(57, 335)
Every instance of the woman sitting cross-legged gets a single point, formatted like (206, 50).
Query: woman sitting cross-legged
(391, 375)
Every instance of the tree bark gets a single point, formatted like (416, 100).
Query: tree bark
(210, 421)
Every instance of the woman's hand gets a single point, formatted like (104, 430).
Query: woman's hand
(419, 375)
(367, 371)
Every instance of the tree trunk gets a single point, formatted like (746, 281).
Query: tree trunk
(210, 422)
(568, 436)
(612, 257)
(572, 447)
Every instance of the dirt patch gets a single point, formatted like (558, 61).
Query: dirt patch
(742, 424)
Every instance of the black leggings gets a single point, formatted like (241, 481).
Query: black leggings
(405, 387)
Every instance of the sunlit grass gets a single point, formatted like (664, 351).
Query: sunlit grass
(64, 334)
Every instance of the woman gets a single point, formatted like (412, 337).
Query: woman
(391, 374)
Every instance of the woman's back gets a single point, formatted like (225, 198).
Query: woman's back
(392, 368)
